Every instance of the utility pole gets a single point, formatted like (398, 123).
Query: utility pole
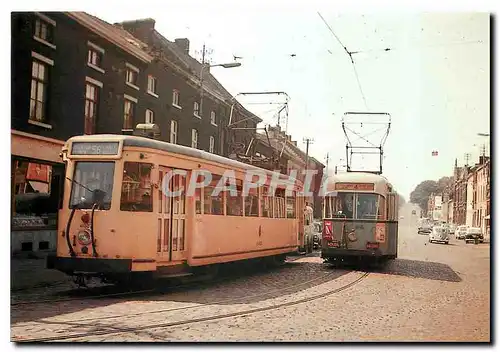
(308, 141)
(467, 157)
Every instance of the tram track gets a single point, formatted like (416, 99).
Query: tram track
(128, 293)
(109, 330)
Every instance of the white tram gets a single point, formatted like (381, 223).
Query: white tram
(360, 219)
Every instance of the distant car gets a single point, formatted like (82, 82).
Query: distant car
(425, 228)
(451, 229)
(414, 212)
(460, 232)
(473, 233)
(439, 234)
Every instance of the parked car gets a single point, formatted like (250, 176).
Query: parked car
(439, 234)
(472, 234)
(460, 232)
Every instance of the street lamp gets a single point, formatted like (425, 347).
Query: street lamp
(203, 66)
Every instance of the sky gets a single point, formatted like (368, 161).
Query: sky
(435, 82)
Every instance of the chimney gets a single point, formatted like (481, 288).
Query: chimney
(141, 29)
(183, 43)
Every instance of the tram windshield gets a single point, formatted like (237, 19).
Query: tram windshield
(364, 206)
(92, 183)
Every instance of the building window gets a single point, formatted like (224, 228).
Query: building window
(94, 57)
(194, 138)
(128, 115)
(132, 76)
(44, 31)
(175, 98)
(197, 109)
(173, 132)
(211, 145)
(38, 97)
(152, 85)
(149, 116)
(91, 102)
(213, 121)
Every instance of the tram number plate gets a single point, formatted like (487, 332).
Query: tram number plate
(380, 233)
(333, 244)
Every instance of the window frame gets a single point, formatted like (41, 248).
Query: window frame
(150, 208)
(176, 98)
(154, 83)
(174, 131)
(194, 138)
(93, 119)
(133, 104)
(196, 109)
(36, 82)
(213, 118)
(211, 144)
(50, 25)
(132, 71)
(149, 116)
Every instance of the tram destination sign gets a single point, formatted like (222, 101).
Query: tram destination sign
(94, 148)
(347, 186)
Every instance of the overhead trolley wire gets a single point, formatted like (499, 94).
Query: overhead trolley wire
(350, 57)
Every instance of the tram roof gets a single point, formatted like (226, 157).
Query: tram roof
(359, 177)
(135, 141)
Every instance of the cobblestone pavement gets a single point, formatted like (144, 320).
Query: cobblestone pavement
(432, 292)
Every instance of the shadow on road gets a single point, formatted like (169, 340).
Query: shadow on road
(420, 269)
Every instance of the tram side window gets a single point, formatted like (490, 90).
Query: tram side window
(266, 203)
(252, 203)
(234, 205)
(197, 195)
(279, 204)
(213, 204)
(136, 187)
(290, 206)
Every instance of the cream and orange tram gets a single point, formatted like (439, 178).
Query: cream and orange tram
(360, 219)
(116, 219)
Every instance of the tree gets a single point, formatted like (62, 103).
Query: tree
(421, 193)
(424, 189)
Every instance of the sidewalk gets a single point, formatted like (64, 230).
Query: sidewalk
(28, 273)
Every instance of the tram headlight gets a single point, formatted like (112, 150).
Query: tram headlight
(84, 238)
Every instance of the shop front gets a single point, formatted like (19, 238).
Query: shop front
(37, 175)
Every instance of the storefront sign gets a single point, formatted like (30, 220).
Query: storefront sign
(344, 186)
(94, 148)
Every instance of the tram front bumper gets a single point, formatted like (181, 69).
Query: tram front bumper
(342, 252)
(72, 265)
